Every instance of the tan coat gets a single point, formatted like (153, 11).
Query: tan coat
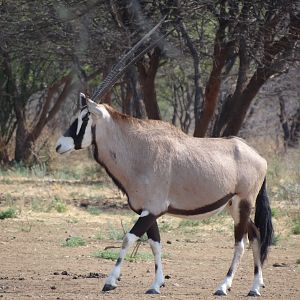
(164, 170)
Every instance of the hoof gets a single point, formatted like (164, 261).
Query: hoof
(219, 293)
(152, 292)
(108, 287)
(253, 294)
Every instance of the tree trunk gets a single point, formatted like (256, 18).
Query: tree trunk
(284, 121)
(22, 146)
(222, 51)
(240, 107)
(295, 130)
(196, 64)
(132, 103)
(25, 139)
(4, 157)
(147, 79)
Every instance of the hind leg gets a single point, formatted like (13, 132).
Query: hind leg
(154, 241)
(240, 212)
(258, 281)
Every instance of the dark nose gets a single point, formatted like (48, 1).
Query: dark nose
(57, 148)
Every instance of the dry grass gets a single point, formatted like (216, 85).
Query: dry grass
(75, 185)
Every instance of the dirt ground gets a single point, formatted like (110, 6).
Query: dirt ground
(35, 265)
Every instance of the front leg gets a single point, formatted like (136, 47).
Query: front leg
(144, 222)
(154, 241)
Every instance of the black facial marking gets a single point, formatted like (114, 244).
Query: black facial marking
(83, 108)
(82, 100)
(71, 132)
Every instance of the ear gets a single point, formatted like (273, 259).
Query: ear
(96, 110)
(82, 100)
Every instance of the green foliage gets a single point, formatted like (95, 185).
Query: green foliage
(100, 236)
(298, 261)
(274, 212)
(8, 199)
(37, 205)
(58, 205)
(74, 241)
(115, 234)
(95, 211)
(165, 226)
(8, 213)
(276, 239)
(21, 170)
(284, 177)
(189, 223)
(66, 174)
(296, 225)
(113, 255)
(39, 170)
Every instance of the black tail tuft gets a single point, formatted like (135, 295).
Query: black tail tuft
(263, 221)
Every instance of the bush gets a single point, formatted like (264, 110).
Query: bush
(73, 241)
(8, 213)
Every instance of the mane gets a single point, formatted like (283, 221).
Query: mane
(146, 126)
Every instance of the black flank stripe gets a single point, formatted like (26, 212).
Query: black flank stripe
(201, 210)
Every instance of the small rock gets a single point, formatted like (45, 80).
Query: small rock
(167, 277)
(64, 273)
(169, 242)
(53, 287)
(56, 273)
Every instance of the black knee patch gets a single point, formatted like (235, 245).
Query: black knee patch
(153, 232)
(142, 225)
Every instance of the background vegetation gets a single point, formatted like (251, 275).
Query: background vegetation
(203, 77)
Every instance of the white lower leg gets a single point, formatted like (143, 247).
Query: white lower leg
(258, 281)
(159, 277)
(239, 249)
(114, 275)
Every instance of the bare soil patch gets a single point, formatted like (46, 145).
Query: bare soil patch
(35, 265)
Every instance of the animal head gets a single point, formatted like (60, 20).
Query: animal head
(79, 134)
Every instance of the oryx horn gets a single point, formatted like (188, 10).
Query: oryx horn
(129, 58)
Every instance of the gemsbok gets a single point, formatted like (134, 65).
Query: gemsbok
(165, 171)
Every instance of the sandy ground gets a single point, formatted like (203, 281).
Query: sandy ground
(35, 265)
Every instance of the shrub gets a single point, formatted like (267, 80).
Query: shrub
(73, 241)
(8, 213)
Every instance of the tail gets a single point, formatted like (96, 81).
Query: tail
(263, 221)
